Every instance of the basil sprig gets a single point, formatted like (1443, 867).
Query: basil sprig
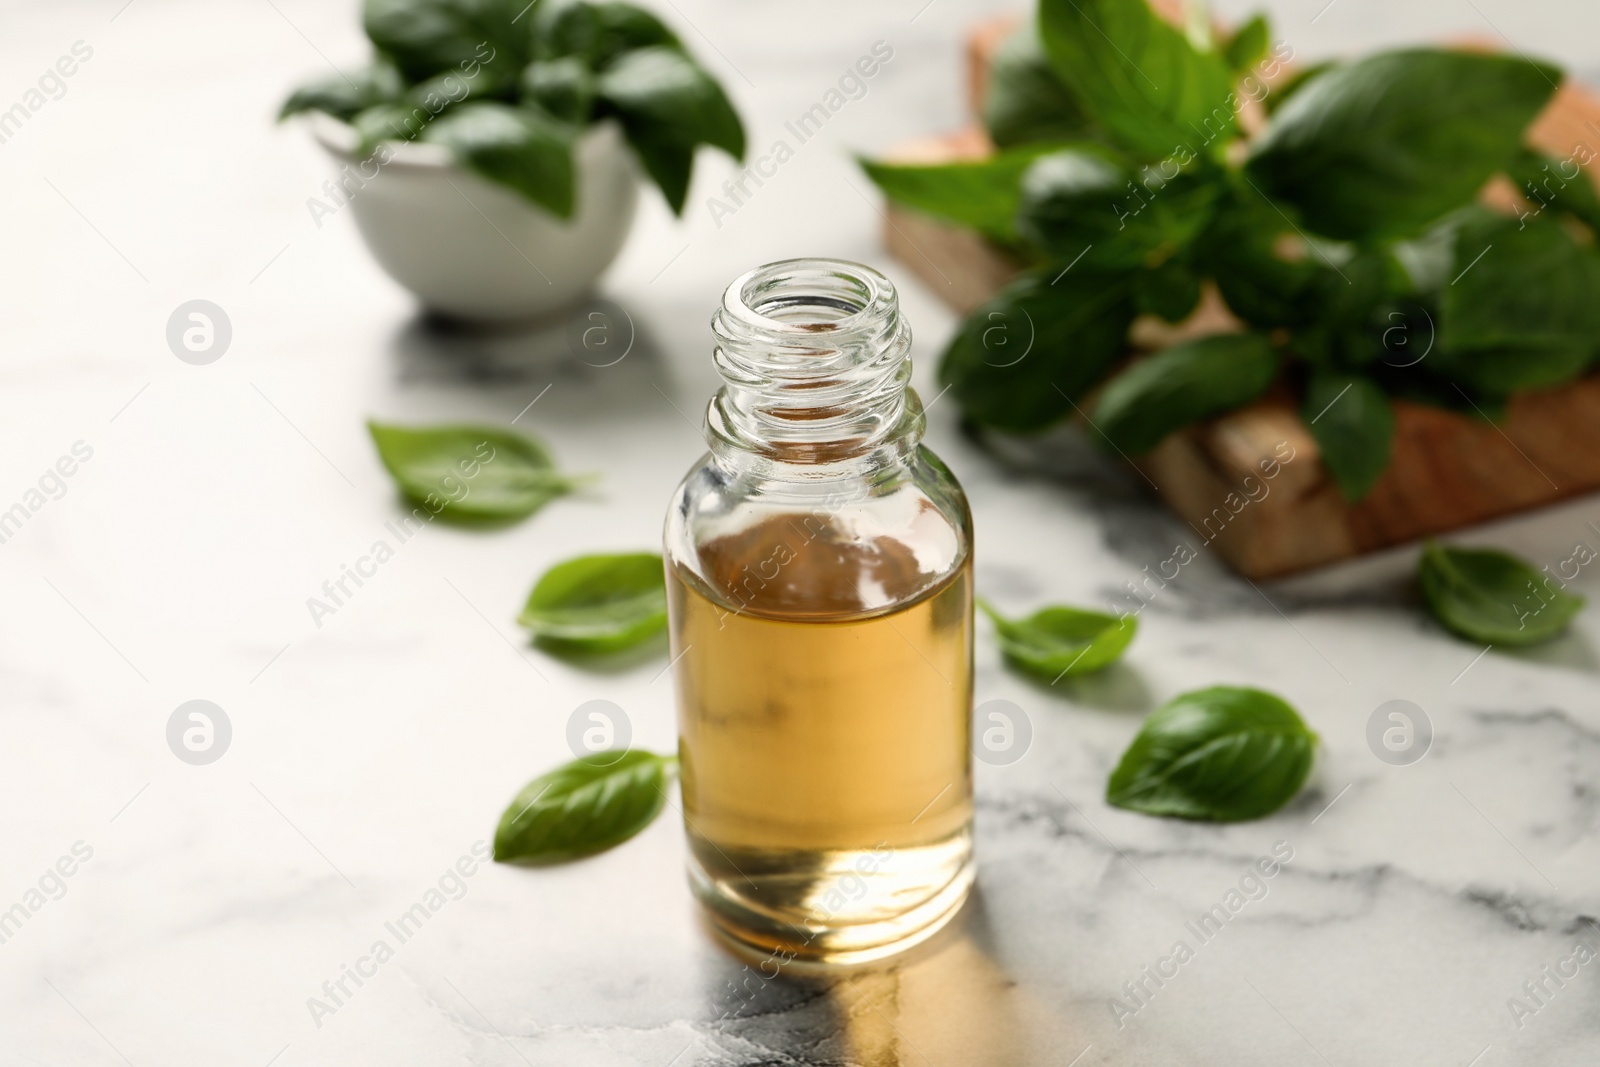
(1491, 596)
(1345, 232)
(508, 86)
(598, 604)
(583, 807)
(1222, 754)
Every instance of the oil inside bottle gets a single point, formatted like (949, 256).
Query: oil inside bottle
(824, 689)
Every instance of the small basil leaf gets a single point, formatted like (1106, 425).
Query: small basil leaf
(603, 603)
(1081, 201)
(1182, 384)
(1353, 424)
(428, 37)
(1062, 640)
(583, 807)
(1386, 144)
(1523, 310)
(1023, 359)
(346, 95)
(668, 107)
(518, 147)
(1026, 103)
(1169, 291)
(1492, 596)
(980, 193)
(470, 472)
(1138, 77)
(1248, 44)
(562, 87)
(596, 33)
(1223, 754)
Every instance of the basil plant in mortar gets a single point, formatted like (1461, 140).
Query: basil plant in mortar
(1344, 235)
(491, 149)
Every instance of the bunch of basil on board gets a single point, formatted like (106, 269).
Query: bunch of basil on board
(509, 85)
(1344, 234)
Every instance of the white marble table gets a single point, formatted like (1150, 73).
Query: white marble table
(207, 904)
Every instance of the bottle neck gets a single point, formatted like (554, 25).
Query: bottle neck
(814, 357)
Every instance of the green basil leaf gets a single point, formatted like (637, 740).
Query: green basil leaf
(470, 472)
(1138, 77)
(596, 33)
(1350, 417)
(1022, 360)
(1384, 145)
(562, 87)
(1542, 181)
(428, 37)
(516, 146)
(603, 603)
(1183, 384)
(1351, 297)
(1222, 754)
(1294, 83)
(583, 807)
(1494, 597)
(1353, 308)
(1062, 640)
(1081, 202)
(397, 121)
(668, 107)
(1240, 250)
(980, 193)
(1524, 310)
(1248, 44)
(1169, 291)
(346, 95)
(441, 92)
(1026, 103)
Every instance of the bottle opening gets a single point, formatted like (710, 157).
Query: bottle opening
(813, 354)
(813, 295)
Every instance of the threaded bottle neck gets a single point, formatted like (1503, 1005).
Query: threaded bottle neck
(813, 354)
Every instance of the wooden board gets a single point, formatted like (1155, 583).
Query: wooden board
(1446, 470)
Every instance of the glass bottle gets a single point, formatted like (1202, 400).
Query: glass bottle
(820, 588)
